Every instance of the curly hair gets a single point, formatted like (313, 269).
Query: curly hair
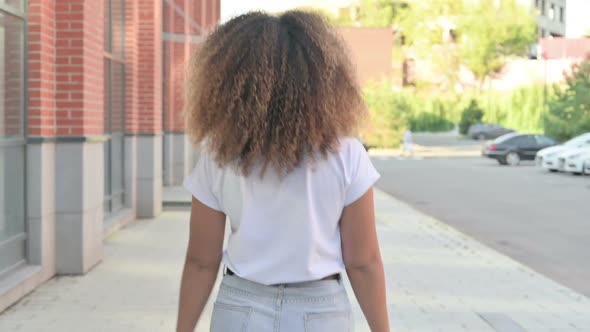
(272, 90)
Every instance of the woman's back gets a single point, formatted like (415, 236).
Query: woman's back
(293, 218)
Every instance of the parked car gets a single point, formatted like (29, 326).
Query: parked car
(485, 131)
(574, 160)
(510, 149)
(549, 158)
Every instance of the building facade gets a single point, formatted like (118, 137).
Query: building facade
(90, 125)
(562, 18)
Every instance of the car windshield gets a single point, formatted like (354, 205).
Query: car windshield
(544, 140)
(504, 138)
(578, 140)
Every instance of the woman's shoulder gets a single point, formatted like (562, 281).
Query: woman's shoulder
(351, 146)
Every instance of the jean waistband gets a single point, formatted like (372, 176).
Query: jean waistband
(319, 290)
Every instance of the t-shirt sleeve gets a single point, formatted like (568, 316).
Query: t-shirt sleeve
(363, 174)
(201, 180)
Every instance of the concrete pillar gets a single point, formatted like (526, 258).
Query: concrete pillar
(149, 176)
(79, 205)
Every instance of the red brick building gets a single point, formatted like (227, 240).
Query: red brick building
(90, 126)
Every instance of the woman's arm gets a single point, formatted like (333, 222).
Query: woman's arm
(207, 229)
(362, 258)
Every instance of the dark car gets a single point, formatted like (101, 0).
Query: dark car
(484, 131)
(510, 149)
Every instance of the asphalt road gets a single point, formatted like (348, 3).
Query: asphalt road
(539, 219)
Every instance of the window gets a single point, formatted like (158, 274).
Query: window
(522, 141)
(114, 103)
(529, 141)
(552, 12)
(544, 140)
(12, 136)
(17, 5)
(543, 11)
(561, 15)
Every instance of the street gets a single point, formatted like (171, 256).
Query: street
(541, 220)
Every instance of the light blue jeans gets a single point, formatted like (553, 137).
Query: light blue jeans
(315, 306)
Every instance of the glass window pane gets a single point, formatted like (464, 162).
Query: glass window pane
(12, 203)
(117, 171)
(12, 150)
(107, 176)
(11, 76)
(12, 207)
(107, 130)
(107, 96)
(114, 126)
(107, 25)
(16, 4)
(117, 97)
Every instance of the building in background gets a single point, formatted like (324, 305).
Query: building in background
(90, 125)
(563, 18)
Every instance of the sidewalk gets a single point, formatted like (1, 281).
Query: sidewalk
(438, 280)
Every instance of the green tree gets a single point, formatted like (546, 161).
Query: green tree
(479, 35)
(379, 13)
(429, 29)
(569, 110)
(491, 31)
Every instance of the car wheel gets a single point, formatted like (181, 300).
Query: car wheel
(553, 170)
(502, 162)
(512, 159)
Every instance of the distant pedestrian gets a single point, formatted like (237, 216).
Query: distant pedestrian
(274, 104)
(408, 142)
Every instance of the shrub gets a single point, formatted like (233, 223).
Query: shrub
(387, 118)
(569, 111)
(391, 111)
(430, 122)
(471, 115)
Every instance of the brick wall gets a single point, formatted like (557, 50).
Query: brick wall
(41, 61)
(168, 92)
(79, 65)
(564, 48)
(371, 52)
(179, 50)
(149, 75)
(66, 64)
(131, 70)
(179, 68)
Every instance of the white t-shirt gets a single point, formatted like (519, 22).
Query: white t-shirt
(285, 230)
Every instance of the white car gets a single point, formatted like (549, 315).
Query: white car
(587, 166)
(573, 161)
(548, 158)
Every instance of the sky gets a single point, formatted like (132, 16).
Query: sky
(230, 8)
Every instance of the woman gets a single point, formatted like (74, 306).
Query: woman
(272, 102)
